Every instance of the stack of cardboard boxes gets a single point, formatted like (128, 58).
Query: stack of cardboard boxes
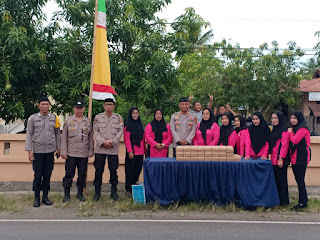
(206, 153)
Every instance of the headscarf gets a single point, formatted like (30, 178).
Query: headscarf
(205, 125)
(301, 121)
(277, 130)
(135, 127)
(225, 131)
(243, 124)
(260, 134)
(301, 124)
(158, 127)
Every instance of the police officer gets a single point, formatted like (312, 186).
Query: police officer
(42, 140)
(183, 125)
(108, 129)
(76, 148)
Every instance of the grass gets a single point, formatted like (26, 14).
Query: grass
(108, 207)
(8, 205)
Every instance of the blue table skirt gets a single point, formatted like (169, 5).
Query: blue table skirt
(249, 183)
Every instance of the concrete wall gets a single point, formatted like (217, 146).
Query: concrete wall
(15, 166)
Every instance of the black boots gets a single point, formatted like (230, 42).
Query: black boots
(114, 194)
(97, 194)
(36, 202)
(66, 196)
(80, 194)
(45, 199)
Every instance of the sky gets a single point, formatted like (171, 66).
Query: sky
(252, 22)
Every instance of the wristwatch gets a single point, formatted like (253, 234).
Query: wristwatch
(163, 145)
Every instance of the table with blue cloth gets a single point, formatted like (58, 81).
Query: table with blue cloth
(248, 183)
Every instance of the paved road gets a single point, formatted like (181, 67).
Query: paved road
(84, 229)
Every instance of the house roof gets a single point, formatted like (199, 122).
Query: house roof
(312, 85)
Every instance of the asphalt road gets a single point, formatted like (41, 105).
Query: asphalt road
(84, 229)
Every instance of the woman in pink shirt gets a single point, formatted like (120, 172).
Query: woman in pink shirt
(259, 136)
(158, 136)
(228, 136)
(243, 140)
(208, 131)
(135, 148)
(278, 148)
(300, 152)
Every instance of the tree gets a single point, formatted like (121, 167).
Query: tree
(22, 57)
(187, 34)
(256, 79)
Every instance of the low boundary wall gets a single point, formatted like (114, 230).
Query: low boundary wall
(15, 166)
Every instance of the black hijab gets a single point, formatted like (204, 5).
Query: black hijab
(301, 124)
(158, 127)
(260, 134)
(205, 125)
(225, 131)
(301, 121)
(243, 124)
(277, 130)
(135, 127)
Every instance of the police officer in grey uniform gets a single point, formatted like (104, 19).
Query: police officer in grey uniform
(76, 148)
(108, 129)
(42, 141)
(183, 125)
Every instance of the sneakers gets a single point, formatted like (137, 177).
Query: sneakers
(114, 194)
(298, 207)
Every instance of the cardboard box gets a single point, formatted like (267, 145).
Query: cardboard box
(223, 158)
(236, 157)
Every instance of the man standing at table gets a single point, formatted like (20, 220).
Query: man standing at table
(76, 148)
(42, 141)
(108, 129)
(183, 125)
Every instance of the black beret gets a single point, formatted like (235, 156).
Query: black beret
(43, 99)
(184, 99)
(109, 100)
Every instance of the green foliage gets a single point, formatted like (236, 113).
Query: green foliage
(22, 57)
(256, 79)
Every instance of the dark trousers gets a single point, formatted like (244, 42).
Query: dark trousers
(299, 172)
(282, 183)
(133, 169)
(71, 164)
(42, 166)
(174, 152)
(99, 162)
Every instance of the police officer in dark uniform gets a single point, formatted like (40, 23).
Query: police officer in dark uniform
(76, 148)
(42, 141)
(108, 129)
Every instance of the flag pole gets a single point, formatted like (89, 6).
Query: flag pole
(92, 62)
(91, 77)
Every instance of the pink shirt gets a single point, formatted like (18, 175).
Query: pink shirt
(243, 143)
(212, 136)
(232, 139)
(295, 139)
(166, 139)
(284, 148)
(138, 150)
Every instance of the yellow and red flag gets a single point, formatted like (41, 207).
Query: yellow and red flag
(101, 65)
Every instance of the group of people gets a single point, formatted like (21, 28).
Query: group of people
(282, 145)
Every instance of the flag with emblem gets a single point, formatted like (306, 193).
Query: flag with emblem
(100, 71)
